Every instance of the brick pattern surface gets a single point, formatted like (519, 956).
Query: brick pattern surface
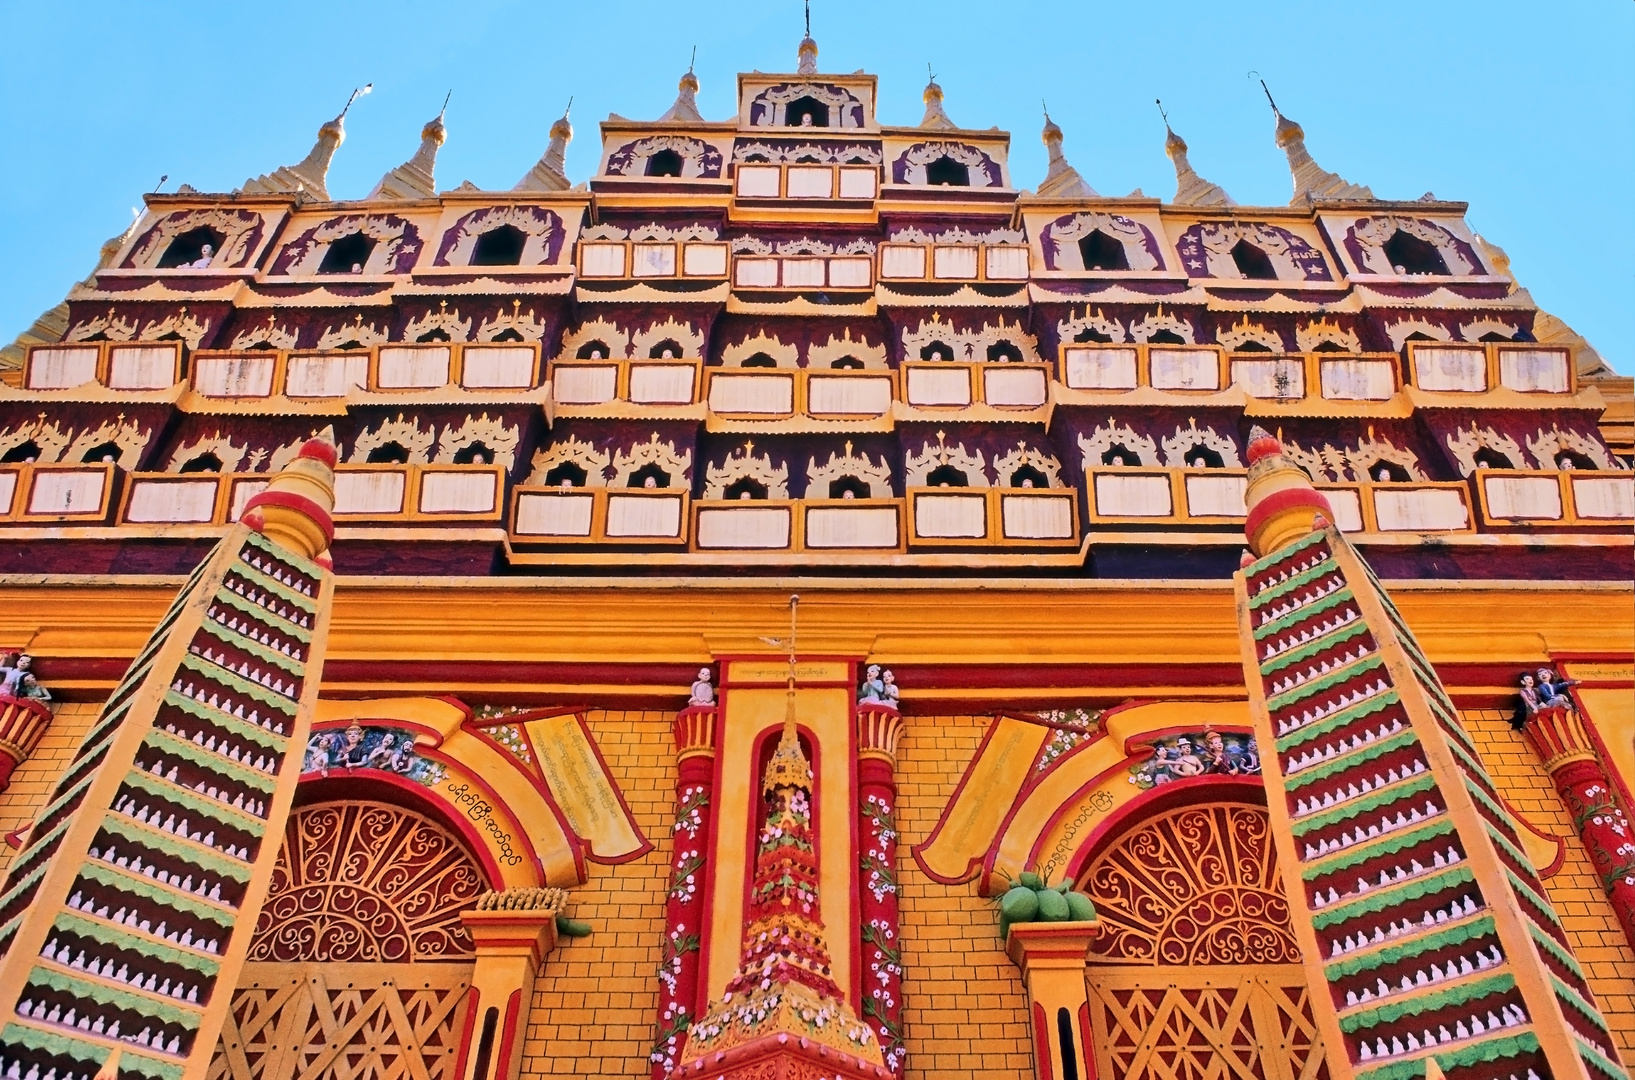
(31, 784)
(1597, 939)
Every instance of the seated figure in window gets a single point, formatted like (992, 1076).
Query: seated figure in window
(347, 255)
(806, 112)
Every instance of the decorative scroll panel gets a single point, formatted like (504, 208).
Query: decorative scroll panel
(324, 1021)
(365, 881)
(1196, 885)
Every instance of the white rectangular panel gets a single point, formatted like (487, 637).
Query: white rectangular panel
(661, 384)
(243, 492)
(767, 395)
(1604, 496)
(141, 367)
(1460, 370)
(858, 183)
(811, 182)
(1275, 379)
(507, 366)
(234, 376)
(636, 516)
(601, 260)
(172, 501)
(77, 492)
(373, 491)
(1184, 369)
(1007, 263)
(951, 517)
(1014, 388)
(1216, 496)
(1357, 380)
(937, 385)
(1100, 369)
(413, 367)
(1534, 370)
(704, 260)
(839, 526)
(8, 491)
(325, 376)
(475, 492)
(953, 263)
(652, 260)
(60, 369)
(759, 181)
(853, 272)
(1420, 510)
(542, 514)
(848, 395)
(1133, 496)
(1347, 506)
(584, 384)
(755, 273)
(902, 261)
(803, 273)
(1523, 497)
(764, 528)
(1036, 517)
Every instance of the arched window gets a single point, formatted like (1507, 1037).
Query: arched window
(948, 172)
(806, 112)
(937, 350)
(349, 346)
(1101, 252)
(1388, 472)
(757, 159)
(761, 360)
(1166, 337)
(847, 363)
(1253, 262)
(1494, 335)
(22, 452)
(1328, 346)
(592, 350)
(103, 454)
(188, 248)
(848, 487)
(1411, 255)
(649, 476)
(1090, 334)
(1120, 455)
(389, 453)
(474, 453)
(436, 333)
(745, 487)
(1489, 458)
(664, 163)
(1567, 461)
(206, 462)
(501, 246)
(348, 255)
(566, 473)
(1202, 457)
(947, 476)
(1419, 335)
(1004, 352)
(508, 334)
(1253, 346)
(668, 349)
(1029, 477)
(262, 346)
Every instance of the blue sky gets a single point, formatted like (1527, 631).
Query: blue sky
(1523, 110)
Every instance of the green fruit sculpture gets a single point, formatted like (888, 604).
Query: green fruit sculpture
(1030, 900)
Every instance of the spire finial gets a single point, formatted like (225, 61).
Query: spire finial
(692, 60)
(357, 92)
(1160, 103)
(808, 18)
(444, 110)
(808, 51)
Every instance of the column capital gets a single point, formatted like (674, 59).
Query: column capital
(878, 729)
(1557, 735)
(695, 732)
(519, 923)
(1042, 946)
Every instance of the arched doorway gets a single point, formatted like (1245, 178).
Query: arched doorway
(1197, 975)
(359, 964)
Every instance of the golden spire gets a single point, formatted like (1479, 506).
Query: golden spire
(415, 178)
(311, 173)
(685, 110)
(935, 115)
(550, 171)
(808, 51)
(1311, 180)
(1190, 188)
(1062, 181)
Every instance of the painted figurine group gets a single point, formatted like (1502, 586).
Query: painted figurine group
(1540, 690)
(17, 679)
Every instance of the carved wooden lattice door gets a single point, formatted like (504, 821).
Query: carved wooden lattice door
(1196, 975)
(359, 964)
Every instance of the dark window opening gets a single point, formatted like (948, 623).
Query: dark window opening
(664, 163)
(1328, 346)
(848, 487)
(1202, 457)
(1166, 337)
(937, 350)
(97, 455)
(592, 350)
(22, 452)
(202, 463)
(476, 453)
(1566, 461)
(947, 476)
(1253, 262)
(172, 336)
(757, 159)
(1419, 335)
(1101, 252)
(1388, 472)
(566, 473)
(948, 172)
(807, 159)
(1119, 454)
(1093, 335)
(649, 476)
(485, 1043)
(847, 363)
(1253, 346)
(1494, 335)
(1029, 477)
(188, 248)
(806, 112)
(745, 487)
(668, 349)
(434, 334)
(855, 160)
(1004, 352)
(348, 255)
(1487, 458)
(508, 334)
(500, 246)
(349, 346)
(1070, 1054)
(1411, 255)
(98, 336)
(760, 359)
(391, 453)
(261, 346)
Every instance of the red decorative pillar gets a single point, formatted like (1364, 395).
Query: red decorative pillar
(684, 907)
(22, 724)
(1558, 737)
(878, 729)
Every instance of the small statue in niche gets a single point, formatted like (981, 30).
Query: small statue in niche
(879, 688)
(206, 253)
(390, 755)
(888, 694)
(352, 752)
(1541, 690)
(703, 694)
(17, 679)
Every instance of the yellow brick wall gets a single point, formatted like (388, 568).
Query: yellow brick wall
(596, 1001)
(31, 784)
(1593, 930)
(965, 1012)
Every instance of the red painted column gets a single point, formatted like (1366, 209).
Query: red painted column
(878, 728)
(684, 906)
(1558, 737)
